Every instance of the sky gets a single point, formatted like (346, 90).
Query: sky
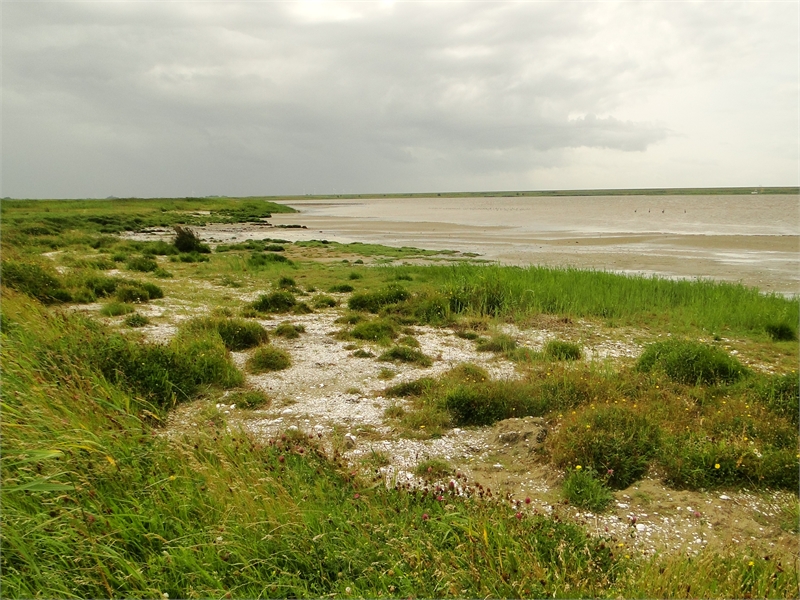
(164, 98)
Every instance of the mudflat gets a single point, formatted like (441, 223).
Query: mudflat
(752, 239)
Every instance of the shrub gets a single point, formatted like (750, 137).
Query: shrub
(236, 334)
(287, 283)
(301, 308)
(186, 240)
(410, 388)
(353, 276)
(136, 320)
(406, 354)
(248, 399)
(268, 358)
(33, 280)
(614, 441)
(379, 330)
(583, 489)
(141, 263)
(323, 301)
(341, 288)
(115, 309)
(361, 353)
(558, 350)
(781, 332)
(690, 362)
(276, 302)
(132, 293)
(261, 260)
(476, 405)
(100, 285)
(289, 331)
(499, 342)
(374, 301)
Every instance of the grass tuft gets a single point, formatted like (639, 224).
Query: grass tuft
(268, 358)
(690, 362)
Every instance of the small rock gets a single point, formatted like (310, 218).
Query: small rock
(349, 440)
(292, 427)
(724, 497)
(641, 527)
(497, 466)
(287, 411)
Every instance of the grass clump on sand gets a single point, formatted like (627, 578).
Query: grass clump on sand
(136, 320)
(584, 489)
(374, 301)
(141, 263)
(289, 330)
(248, 399)
(323, 301)
(268, 358)
(558, 350)
(407, 355)
(499, 342)
(236, 334)
(341, 288)
(690, 362)
(277, 302)
(116, 309)
(382, 331)
(187, 241)
(433, 468)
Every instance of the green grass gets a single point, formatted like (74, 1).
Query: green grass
(268, 358)
(115, 309)
(691, 362)
(276, 302)
(289, 331)
(136, 320)
(236, 334)
(584, 489)
(406, 355)
(558, 350)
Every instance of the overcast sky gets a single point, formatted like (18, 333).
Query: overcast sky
(249, 98)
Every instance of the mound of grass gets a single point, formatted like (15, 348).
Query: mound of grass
(287, 283)
(559, 350)
(115, 309)
(408, 340)
(189, 257)
(257, 260)
(34, 280)
(355, 275)
(361, 353)
(289, 330)
(467, 373)
(379, 330)
(323, 301)
(236, 334)
(781, 332)
(341, 288)
(186, 240)
(410, 388)
(132, 293)
(616, 442)
(374, 301)
(268, 358)
(406, 354)
(433, 468)
(781, 394)
(583, 489)
(499, 342)
(276, 302)
(248, 399)
(136, 320)
(141, 263)
(690, 363)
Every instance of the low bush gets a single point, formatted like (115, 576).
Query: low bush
(141, 263)
(276, 302)
(374, 301)
(136, 320)
(287, 283)
(268, 358)
(267, 259)
(616, 442)
(499, 342)
(323, 301)
(410, 388)
(131, 293)
(289, 331)
(582, 488)
(248, 399)
(379, 330)
(406, 354)
(558, 350)
(690, 362)
(341, 288)
(186, 240)
(781, 332)
(115, 309)
(236, 334)
(354, 275)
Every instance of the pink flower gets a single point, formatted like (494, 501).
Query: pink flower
(527, 500)
(518, 515)
(424, 516)
(356, 496)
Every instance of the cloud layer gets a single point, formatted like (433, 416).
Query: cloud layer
(140, 98)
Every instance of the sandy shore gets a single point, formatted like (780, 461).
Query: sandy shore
(754, 242)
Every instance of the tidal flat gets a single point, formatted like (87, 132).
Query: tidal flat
(197, 401)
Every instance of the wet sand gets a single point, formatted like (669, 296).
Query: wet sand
(754, 240)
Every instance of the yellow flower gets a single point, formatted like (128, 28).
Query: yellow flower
(578, 468)
(750, 564)
(716, 466)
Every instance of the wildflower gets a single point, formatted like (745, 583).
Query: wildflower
(610, 472)
(518, 515)
(356, 496)
(424, 516)
(750, 564)
(172, 477)
(347, 590)
(716, 466)
(440, 498)
(578, 467)
(527, 500)
(281, 458)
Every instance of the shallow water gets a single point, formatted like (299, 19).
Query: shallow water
(752, 239)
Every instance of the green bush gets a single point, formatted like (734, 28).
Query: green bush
(323, 301)
(559, 350)
(289, 331)
(374, 301)
(236, 334)
(268, 358)
(286, 282)
(477, 405)
(141, 263)
(583, 489)
(115, 309)
(33, 280)
(406, 354)
(410, 388)
(378, 330)
(499, 342)
(136, 320)
(617, 442)
(276, 302)
(248, 399)
(131, 293)
(781, 332)
(341, 288)
(186, 240)
(690, 362)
